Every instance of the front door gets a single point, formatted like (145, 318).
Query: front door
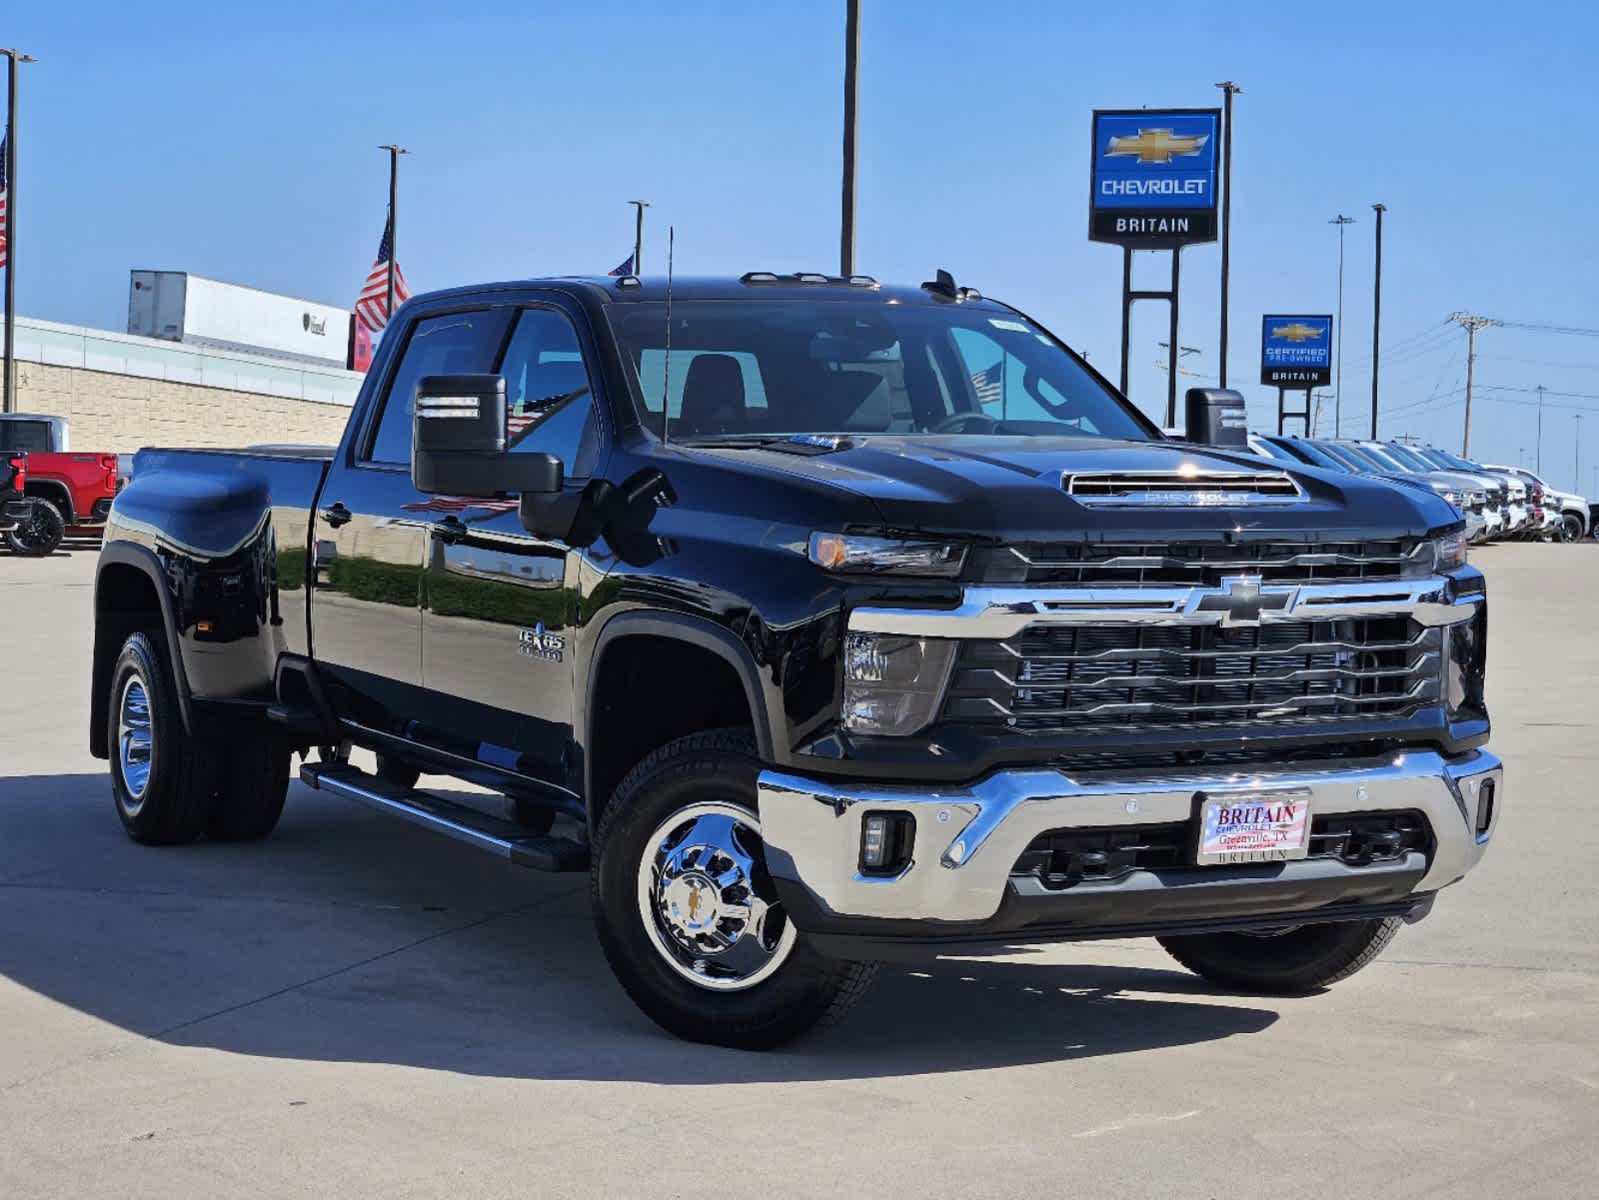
(373, 529)
(501, 605)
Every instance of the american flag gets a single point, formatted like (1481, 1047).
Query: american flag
(4, 226)
(626, 267)
(371, 306)
(990, 383)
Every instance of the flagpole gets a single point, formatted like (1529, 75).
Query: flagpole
(394, 236)
(638, 236)
(9, 186)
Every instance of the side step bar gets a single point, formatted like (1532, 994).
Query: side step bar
(504, 838)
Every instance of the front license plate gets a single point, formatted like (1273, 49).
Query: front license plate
(1253, 827)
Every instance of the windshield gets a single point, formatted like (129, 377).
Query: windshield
(1386, 459)
(1310, 453)
(771, 369)
(1357, 463)
(1407, 461)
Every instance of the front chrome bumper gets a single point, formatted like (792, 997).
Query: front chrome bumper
(968, 839)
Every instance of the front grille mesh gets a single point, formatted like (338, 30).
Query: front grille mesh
(1074, 679)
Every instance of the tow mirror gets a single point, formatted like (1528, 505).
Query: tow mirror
(458, 442)
(1217, 417)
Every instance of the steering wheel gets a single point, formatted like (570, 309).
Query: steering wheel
(959, 422)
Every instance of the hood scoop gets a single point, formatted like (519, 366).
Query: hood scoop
(1182, 488)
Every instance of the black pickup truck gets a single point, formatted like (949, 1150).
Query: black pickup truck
(823, 623)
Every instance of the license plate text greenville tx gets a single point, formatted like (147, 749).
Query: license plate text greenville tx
(1255, 829)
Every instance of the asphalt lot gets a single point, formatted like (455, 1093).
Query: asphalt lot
(357, 1008)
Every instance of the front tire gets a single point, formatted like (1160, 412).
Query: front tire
(1571, 528)
(252, 782)
(1293, 962)
(686, 912)
(40, 534)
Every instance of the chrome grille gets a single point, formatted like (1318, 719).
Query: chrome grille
(1076, 678)
(1152, 564)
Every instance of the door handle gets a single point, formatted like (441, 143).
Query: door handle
(450, 530)
(337, 515)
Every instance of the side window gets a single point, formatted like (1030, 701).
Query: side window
(548, 402)
(452, 344)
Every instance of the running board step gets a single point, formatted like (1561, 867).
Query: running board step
(504, 838)
(301, 718)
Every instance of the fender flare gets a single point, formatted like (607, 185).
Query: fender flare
(53, 490)
(145, 561)
(695, 631)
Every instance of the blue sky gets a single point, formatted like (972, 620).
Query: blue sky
(238, 142)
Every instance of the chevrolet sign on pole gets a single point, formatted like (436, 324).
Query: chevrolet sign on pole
(1296, 352)
(1154, 177)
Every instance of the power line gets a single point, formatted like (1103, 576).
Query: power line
(1567, 330)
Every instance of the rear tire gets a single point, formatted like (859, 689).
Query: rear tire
(162, 780)
(251, 785)
(1571, 528)
(1295, 962)
(40, 534)
(682, 818)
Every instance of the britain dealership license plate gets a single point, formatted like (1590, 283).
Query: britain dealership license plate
(1254, 827)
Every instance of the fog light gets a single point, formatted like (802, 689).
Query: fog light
(885, 842)
(1485, 806)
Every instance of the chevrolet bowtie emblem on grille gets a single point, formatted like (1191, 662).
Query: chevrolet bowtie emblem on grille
(1241, 602)
(1298, 332)
(1156, 145)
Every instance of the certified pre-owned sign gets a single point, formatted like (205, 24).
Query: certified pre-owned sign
(1154, 177)
(1296, 351)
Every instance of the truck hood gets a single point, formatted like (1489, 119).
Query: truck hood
(1011, 488)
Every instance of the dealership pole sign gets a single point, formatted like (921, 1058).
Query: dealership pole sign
(1296, 352)
(1154, 177)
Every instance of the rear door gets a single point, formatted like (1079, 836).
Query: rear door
(502, 605)
(373, 529)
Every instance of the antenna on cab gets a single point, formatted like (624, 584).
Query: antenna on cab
(666, 373)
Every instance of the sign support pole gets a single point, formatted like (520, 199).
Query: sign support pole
(1171, 375)
(1127, 311)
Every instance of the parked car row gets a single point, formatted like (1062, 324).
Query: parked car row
(1509, 503)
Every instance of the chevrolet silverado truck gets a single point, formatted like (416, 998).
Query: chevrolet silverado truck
(822, 623)
(79, 485)
(30, 527)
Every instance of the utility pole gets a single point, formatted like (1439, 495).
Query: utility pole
(8, 188)
(638, 236)
(1338, 383)
(1471, 325)
(1229, 90)
(1376, 319)
(394, 231)
(1539, 459)
(852, 91)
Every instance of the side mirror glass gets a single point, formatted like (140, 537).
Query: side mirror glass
(458, 442)
(1217, 417)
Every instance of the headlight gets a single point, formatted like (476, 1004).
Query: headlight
(893, 685)
(1446, 552)
(851, 552)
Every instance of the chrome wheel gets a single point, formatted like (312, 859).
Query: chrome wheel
(707, 902)
(135, 740)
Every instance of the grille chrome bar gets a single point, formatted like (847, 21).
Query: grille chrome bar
(1000, 613)
(1182, 489)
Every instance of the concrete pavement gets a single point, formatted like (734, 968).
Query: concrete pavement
(357, 1008)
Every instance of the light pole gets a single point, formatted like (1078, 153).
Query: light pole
(1576, 461)
(638, 236)
(394, 231)
(1229, 90)
(1376, 319)
(1338, 384)
(852, 92)
(8, 188)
